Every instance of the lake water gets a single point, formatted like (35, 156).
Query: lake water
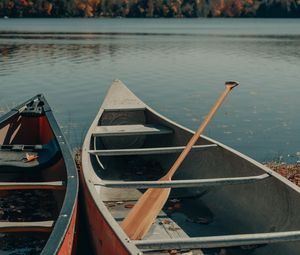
(176, 66)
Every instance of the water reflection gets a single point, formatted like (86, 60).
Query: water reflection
(271, 46)
(178, 73)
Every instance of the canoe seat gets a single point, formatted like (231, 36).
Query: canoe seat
(39, 226)
(55, 185)
(148, 151)
(13, 157)
(125, 130)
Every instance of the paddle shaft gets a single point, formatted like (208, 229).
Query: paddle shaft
(140, 218)
(191, 143)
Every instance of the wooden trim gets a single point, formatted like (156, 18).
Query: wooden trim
(58, 185)
(39, 226)
(219, 241)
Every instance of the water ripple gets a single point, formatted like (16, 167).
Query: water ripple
(178, 73)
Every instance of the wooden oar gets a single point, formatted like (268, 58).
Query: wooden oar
(139, 220)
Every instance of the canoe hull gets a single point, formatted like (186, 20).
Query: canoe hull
(119, 152)
(104, 239)
(31, 129)
(70, 241)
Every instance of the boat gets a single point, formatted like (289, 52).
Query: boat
(38, 183)
(221, 202)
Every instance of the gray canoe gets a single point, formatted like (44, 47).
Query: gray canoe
(222, 202)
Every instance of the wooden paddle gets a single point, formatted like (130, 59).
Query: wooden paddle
(139, 220)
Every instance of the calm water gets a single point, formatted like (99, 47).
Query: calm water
(176, 66)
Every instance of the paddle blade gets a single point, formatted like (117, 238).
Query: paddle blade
(140, 218)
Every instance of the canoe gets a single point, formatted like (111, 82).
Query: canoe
(38, 183)
(222, 202)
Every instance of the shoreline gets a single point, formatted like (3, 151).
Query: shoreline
(289, 171)
(150, 8)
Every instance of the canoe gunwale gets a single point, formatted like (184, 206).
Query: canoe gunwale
(62, 222)
(8, 116)
(93, 180)
(15, 111)
(31, 226)
(219, 241)
(68, 208)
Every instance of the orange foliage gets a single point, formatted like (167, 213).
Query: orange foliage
(233, 8)
(218, 8)
(147, 8)
(89, 12)
(81, 6)
(49, 8)
(249, 2)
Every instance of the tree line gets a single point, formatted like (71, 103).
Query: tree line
(150, 8)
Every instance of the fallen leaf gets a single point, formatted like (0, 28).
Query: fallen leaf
(165, 221)
(177, 206)
(129, 206)
(31, 157)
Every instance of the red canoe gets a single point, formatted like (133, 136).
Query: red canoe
(38, 183)
(222, 202)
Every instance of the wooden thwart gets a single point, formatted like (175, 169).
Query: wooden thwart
(218, 241)
(148, 151)
(126, 130)
(39, 226)
(183, 183)
(58, 185)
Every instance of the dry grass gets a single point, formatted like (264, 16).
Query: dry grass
(289, 171)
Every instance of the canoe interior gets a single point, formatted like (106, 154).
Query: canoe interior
(26, 130)
(24, 201)
(269, 205)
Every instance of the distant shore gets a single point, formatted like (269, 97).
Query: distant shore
(150, 8)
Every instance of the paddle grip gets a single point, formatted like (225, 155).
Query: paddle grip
(232, 84)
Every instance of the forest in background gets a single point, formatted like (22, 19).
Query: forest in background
(150, 8)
